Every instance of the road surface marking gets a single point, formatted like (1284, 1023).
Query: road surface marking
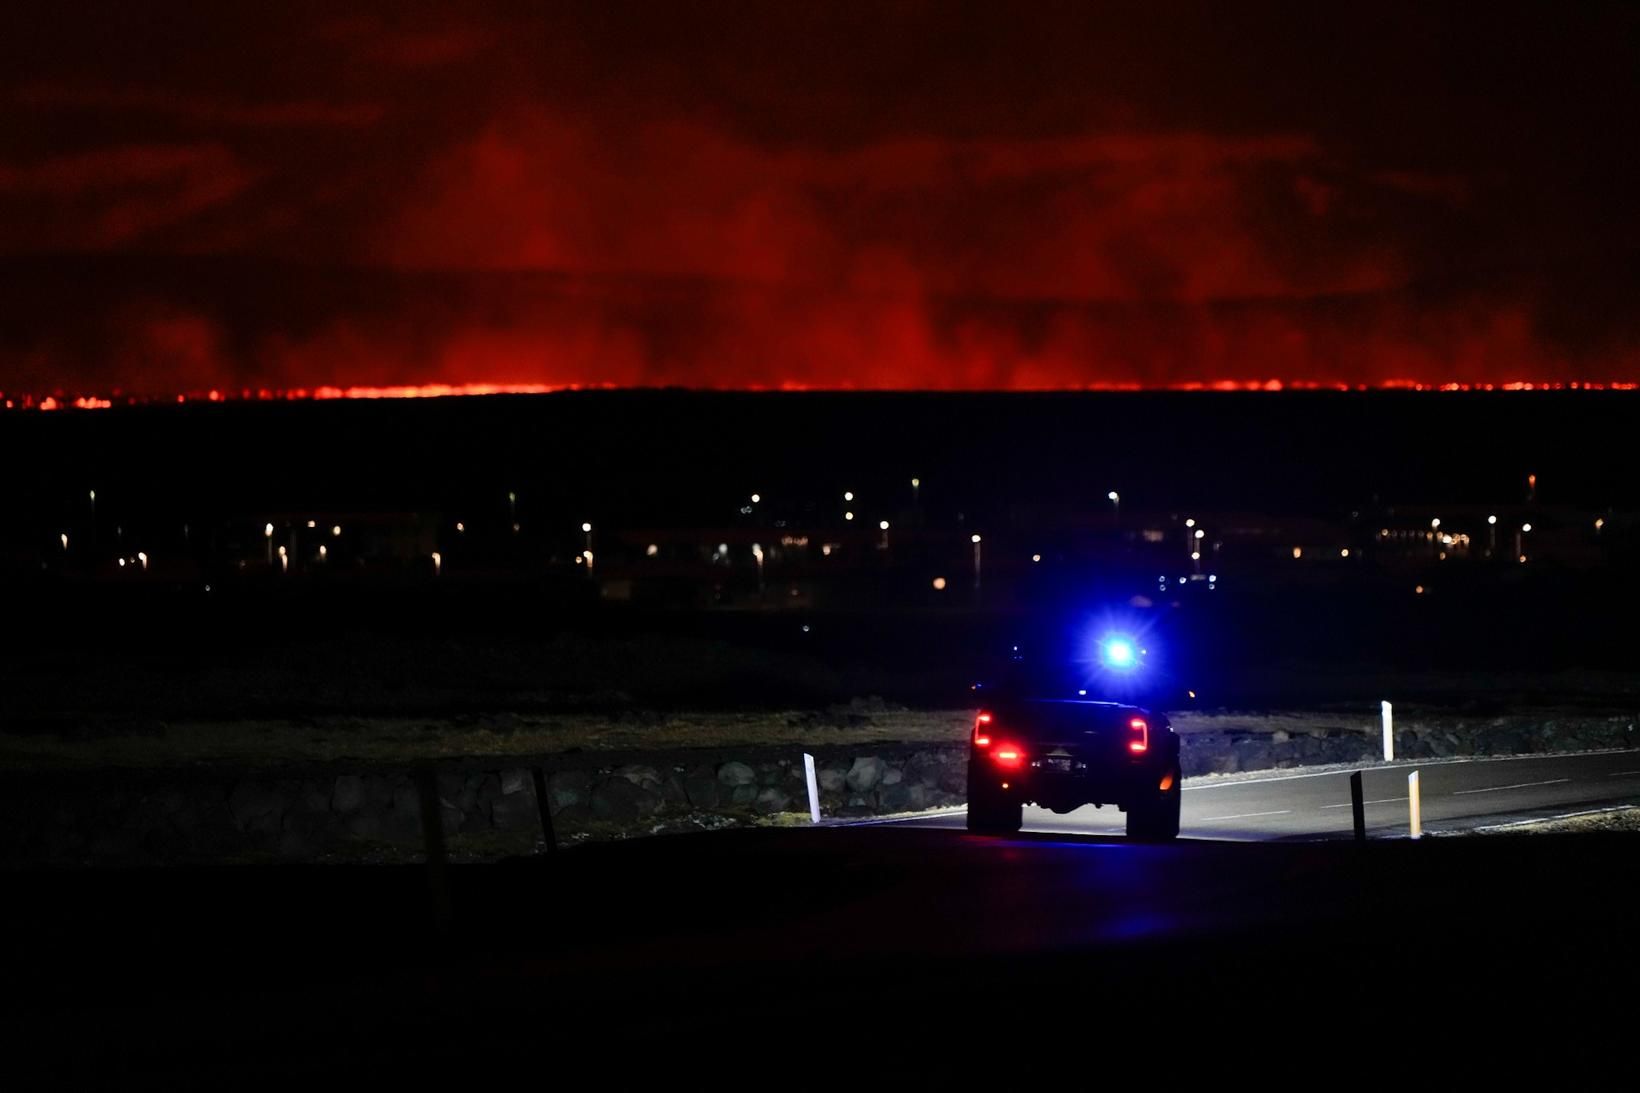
(1344, 770)
(1622, 773)
(1245, 815)
(931, 814)
(1517, 785)
(1335, 772)
(1384, 801)
(1562, 816)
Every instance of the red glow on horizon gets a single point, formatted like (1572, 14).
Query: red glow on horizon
(60, 401)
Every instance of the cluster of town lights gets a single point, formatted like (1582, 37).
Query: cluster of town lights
(1196, 536)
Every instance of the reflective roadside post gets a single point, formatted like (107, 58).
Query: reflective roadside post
(1388, 714)
(814, 788)
(1415, 808)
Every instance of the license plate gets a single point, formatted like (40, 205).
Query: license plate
(1057, 762)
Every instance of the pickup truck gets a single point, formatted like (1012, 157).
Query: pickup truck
(1064, 751)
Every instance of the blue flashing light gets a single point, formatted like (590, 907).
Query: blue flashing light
(1118, 653)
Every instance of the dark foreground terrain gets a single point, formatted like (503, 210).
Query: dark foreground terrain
(771, 959)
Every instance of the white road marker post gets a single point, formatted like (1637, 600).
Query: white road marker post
(1415, 808)
(1388, 713)
(814, 788)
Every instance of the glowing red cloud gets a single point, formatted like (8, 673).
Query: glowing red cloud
(1107, 217)
(109, 197)
(546, 252)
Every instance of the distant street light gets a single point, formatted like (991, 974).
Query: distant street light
(757, 498)
(284, 560)
(267, 533)
(1115, 500)
(848, 495)
(438, 562)
(757, 557)
(143, 558)
(512, 510)
(882, 525)
(64, 538)
(977, 559)
(848, 516)
(1520, 541)
(1491, 536)
(916, 485)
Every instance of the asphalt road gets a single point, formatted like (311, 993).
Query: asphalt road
(810, 956)
(1457, 795)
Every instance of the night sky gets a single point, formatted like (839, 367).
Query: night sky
(932, 195)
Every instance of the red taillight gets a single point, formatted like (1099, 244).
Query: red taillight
(982, 738)
(1140, 741)
(1008, 755)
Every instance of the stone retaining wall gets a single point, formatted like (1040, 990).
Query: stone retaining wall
(490, 810)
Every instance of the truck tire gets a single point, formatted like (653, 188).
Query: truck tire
(1156, 819)
(991, 813)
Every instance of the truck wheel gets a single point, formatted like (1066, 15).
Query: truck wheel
(1156, 819)
(991, 813)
